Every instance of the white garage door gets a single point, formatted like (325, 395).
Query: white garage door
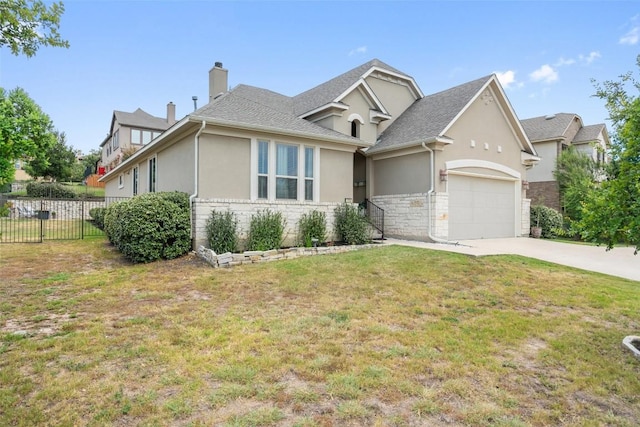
(481, 208)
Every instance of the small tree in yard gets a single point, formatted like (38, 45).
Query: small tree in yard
(222, 234)
(576, 174)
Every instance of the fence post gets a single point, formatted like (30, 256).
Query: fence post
(82, 219)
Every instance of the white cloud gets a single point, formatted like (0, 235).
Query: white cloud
(632, 36)
(589, 58)
(545, 74)
(358, 50)
(506, 78)
(562, 62)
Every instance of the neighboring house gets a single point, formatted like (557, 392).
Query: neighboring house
(448, 166)
(131, 131)
(551, 135)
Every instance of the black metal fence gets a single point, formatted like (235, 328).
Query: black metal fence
(26, 220)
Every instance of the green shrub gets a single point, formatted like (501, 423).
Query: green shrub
(149, 227)
(312, 225)
(97, 214)
(550, 220)
(222, 234)
(266, 231)
(5, 209)
(350, 226)
(112, 219)
(50, 190)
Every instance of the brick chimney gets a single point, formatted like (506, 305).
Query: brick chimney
(218, 81)
(171, 113)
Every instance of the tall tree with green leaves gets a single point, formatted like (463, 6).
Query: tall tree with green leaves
(612, 213)
(58, 163)
(27, 25)
(26, 132)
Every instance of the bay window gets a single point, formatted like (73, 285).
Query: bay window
(284, 171)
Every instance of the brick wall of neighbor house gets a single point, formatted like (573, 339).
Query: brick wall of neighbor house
(405, 215)
(244, 209)
(544, 193)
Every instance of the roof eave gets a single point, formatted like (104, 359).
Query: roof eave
(443, 140)
(269, 129)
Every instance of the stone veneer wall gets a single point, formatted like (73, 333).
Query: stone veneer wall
(406, 215)
(525, 228)
(253, 257)
(545, 193)
(244, 209)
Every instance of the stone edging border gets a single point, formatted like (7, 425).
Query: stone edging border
(229, 259)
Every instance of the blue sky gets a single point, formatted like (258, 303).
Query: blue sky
(130, 54)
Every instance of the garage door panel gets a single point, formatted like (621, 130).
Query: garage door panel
(481, 208)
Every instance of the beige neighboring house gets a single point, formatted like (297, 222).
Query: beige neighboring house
(131, 131)
(551, 135)
(447, 166)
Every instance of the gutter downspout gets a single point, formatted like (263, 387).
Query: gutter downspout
(196, 144)
(429, 193)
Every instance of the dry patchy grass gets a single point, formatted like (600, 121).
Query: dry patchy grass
(389, 337)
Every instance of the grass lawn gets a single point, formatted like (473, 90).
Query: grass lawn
(391, 336)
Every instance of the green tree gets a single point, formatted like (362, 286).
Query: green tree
(612, 213)
(26, 132)
(27, 25)
(576, 174)
(58, 164)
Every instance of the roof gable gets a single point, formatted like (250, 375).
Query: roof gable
(553, 126)
(589, 133)
(337, 88)
(432, 116)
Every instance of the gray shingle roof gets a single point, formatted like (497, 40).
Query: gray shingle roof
(588, 134)
(330, 90)
(547, 127)
(142, 119)
(256, 107)
(428, 117)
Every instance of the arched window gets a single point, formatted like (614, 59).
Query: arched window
(355, 128)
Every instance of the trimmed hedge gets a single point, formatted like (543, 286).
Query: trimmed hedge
(98, 217)
(151, 226)
(50, 190)
(550, 220)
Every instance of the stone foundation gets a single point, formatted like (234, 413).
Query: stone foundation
(406, 215)
(244, 209)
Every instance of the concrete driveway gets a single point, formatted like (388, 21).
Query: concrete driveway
(620, 261)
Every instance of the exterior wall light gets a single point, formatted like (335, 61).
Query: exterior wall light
(525, 185)
(443, 175)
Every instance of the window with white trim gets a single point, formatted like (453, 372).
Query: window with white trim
(152, 174)
(308, 172)
(120, 181)
(115, 140)
(134, 179)
(286, 171)
(263, 169)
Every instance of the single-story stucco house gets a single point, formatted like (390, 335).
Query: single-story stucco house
(443, 167)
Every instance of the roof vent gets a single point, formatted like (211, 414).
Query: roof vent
(550, 116)
(218, 64)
